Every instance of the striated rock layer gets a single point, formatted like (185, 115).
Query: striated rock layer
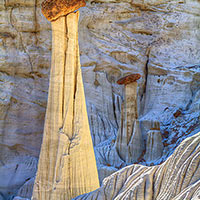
(67, 165)
(158, 39)
(177, 178)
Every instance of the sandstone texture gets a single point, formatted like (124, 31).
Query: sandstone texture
(53, 9)
(160, 40)
(67, 165)
(177, 178)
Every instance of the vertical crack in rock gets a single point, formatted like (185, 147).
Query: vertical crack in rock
(146, 69)
(146, 75)
(36, 23)
(67, 165)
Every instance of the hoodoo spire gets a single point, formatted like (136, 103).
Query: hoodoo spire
(67, 166)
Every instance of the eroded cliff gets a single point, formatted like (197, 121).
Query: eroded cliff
(177, 178)
(157, 39)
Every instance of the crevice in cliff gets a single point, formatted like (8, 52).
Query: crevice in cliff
(35, 21)
(114, 107)
(146, 72)
(21, 40)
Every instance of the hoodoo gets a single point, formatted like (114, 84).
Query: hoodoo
(129, 133)
(67, 166)
(130, 113)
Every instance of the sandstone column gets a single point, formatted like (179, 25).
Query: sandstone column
(129, 115)
(67, 166)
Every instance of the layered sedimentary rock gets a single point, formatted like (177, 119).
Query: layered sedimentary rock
(67, 165)
(158, 39)
(177, 178)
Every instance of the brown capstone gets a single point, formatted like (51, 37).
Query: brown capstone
(128, 79)
(53, 9)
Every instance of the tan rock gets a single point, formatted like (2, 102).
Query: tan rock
(67, 164)
(52, 9)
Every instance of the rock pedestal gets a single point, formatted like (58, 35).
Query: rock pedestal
(67, 166)
(129, 133)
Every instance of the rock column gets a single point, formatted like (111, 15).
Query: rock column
(128, 135)
(67, 166)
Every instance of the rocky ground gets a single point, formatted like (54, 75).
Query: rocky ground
(158, 39)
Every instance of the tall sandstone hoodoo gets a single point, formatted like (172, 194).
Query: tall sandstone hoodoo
(67, 166)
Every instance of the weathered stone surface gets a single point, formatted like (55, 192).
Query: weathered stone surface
(15, 172)
(26, 190)
(157, 39)
(67, 166)
(154, 146)
(171, 180)
(20, 198)
(53, 9)
(128, 79)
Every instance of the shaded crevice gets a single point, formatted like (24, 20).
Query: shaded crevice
(5, 4)
(36, 24)
(114, 102)
(146, 72)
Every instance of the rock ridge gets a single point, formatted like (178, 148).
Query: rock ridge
(177, 178)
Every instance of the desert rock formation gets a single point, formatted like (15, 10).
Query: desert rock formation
(129, 115)
(67, 166)
(157, 39)
(177, 178)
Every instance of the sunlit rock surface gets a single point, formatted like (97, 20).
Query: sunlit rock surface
(158, 39)
(67, 165)
(171, 180)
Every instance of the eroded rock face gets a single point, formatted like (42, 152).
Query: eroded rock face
(171, 180)
(159, 40)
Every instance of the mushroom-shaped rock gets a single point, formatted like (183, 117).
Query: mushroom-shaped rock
(129, 79)
(130, 103)
(129, 115)
(53, 9)
(67, 166)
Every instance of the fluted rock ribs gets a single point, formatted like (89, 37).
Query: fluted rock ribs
(177, 178)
